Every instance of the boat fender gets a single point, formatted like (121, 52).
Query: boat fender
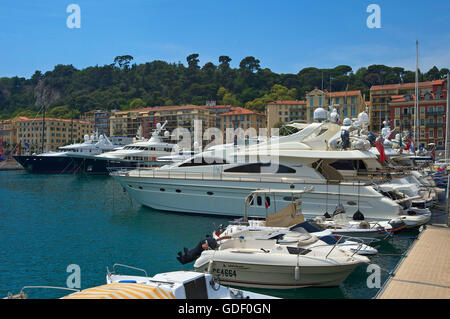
(358, 215)
(297, 273)
(364, 225)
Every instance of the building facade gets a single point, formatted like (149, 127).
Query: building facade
(432, 105)
(127, 123)
(285, 111)
(382, 95)
(249, 121)
(348, 104)
(34, 134)
(100, 120)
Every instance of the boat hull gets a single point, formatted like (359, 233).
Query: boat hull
(48, 164)
(227, 197)
(72, 164)
(277, 276)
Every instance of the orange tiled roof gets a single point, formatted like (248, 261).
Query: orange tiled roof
(219, 106)
(288, 102)
(26, 119)
(343, 93)
(164, 108)
(240, 111)
(405, 85)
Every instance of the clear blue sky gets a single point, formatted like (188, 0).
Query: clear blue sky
(285, 35)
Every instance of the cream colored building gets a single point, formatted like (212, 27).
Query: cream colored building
(285, 111)
(127, 123)
(348, 103)
(249, 121)
(57, 132)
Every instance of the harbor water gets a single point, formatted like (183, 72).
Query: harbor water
(48, 222)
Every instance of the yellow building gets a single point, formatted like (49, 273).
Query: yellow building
(57, 132)
(8, 133)
(347, 103)
(285, 111)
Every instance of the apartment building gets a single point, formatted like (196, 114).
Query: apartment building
(33, 134)
(348, 104)
(432, 103)
(382, 95)
(285, 111)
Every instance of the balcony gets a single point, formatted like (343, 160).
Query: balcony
(434, 124)
(435, 113)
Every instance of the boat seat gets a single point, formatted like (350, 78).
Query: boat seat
(308, 241)
(300, 239)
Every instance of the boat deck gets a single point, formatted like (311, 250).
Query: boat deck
(425, 272)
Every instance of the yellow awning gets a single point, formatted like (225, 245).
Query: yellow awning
(122, 291)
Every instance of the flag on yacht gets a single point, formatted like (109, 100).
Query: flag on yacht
(380, 148)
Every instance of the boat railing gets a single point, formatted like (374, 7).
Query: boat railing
(149, 279)
(360, 240)
(127, 266)
(234, 177)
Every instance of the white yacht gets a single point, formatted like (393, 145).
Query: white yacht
(66, 160)
(218, 182)
(141, 153)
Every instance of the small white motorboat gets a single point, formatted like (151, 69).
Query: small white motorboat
(296, 260)
(354, 245)
(341, 225)
(286, 220)
(170, 285)
(181, 285)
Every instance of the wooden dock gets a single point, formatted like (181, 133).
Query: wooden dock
(425, 271)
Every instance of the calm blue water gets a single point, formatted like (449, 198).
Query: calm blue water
(48, 222)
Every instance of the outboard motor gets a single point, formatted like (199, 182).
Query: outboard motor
(345, 139)
(193, 254)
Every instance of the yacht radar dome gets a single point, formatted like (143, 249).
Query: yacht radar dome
(347, 122)
(363, 118)
(166, 133)
(320, 114)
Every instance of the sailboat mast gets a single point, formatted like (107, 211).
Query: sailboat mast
(43, 129)
(417, 115)
(447, 120)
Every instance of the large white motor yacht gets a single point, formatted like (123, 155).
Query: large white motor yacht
(218, 182)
